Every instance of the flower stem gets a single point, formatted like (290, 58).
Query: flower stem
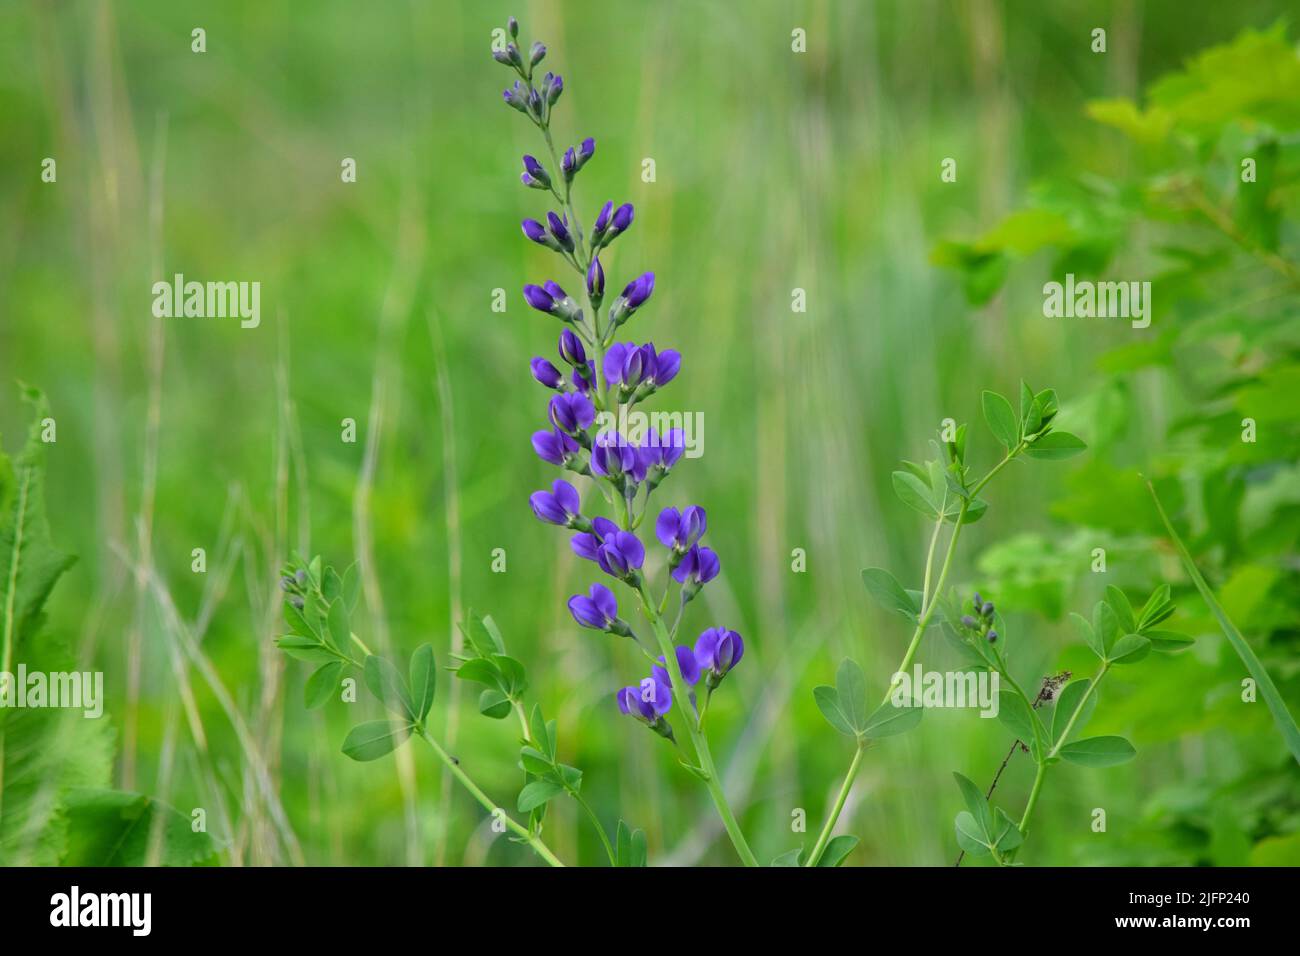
(698, 740)
(485, 801)
(825, 836)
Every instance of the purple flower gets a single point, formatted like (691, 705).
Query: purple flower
(535, 174)
(620, 555)
(586, 150)
(571, 412)
(569, 163)
(555, 89)
(667, 364)
(682, 530)
(560, 230)
(559, 506)
(554, 446)
(537, 53)
(699, 566)
(602, 223)
(595, 279)
(535, 231)
(611, 455)
(639, 290)
(515, 96)
(599, 611)
(623, 217)
(539, 299)
(571, 349)
(587, 544)
(546, 373)
(647, 702)
(718, 650)
(686, 660)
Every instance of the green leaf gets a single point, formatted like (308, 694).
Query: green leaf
(1119, 603)
(1001, 419)
(536, 793)
(351, 589)
(970, 835)
(117, 828)
(321, 685)
(1168, 641)
(536, 762)
(851, 690)
(1157, 608)
(1130, 649)
(512, 674)
(482, 671)
(789, 858)
(629, 846)
(890, 719)
(1098, 751)
(975, 802)
(340, 627)
(828, 702)
(1015, 714)
(388, 686)
(492, 703)
(888, 593)
(1089, 634)
(375, 738)
(331, 585)
(837, 850)
(914, 493)
(1066, 704)
(1106, 626)
(480, 639)
(1263, 680)
(305, 649)
(423, 680)
(1055, 446)
(1008, 833)
(540, 732)
(297, 623)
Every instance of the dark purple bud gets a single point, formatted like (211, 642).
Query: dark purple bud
(537, 171)
(535, 104)
(557, 87)
(602, 221)
(992, 636)
(987, 609)
(535, 231)
(554, 446)
(586, 150)
(969, 622)
(537, 53)
(559, 506)
(639, 290)
(623, 217)
(560, 230)
(516, 58)
(569, 163)
(979, 601)
(598, 609)
(686, 660)
(516, 97)
(553, 289)
(546, 373)
(571, 412)
(513, 26)
(501, 56)
(571, 349)
(539, 299)
(595, 279)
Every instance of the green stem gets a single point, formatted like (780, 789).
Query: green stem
(705, 759)
(600, 829)
(485, 801)
(825, 836)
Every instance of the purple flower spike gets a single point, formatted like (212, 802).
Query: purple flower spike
(718, 650)
(599, 611)
(681, 531)
(571, 349)
(686, 660)
(620, 555)
(571, 412)
(554, 446)
(540, 299)
(560, 505)
(546, 373)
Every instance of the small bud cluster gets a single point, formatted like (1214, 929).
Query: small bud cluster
(981, 621)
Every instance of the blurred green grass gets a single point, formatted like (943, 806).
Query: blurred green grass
(775, 171)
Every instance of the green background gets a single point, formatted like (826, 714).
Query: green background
(775, 171)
